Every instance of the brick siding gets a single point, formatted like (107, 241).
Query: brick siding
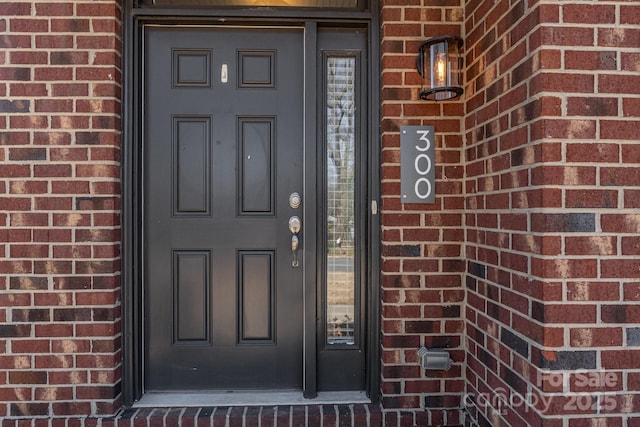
(422, 244)
(526, 268)
(551, 151)
(59, 208)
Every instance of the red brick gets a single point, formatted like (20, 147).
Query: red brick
(27, 377)
(70, 187)
(29, 251)
(107, 171)
(614, 129)
(595, 337)
(633, 380)
(53, 105)
(76, 25)
(19, 57)
(67, 377)
(54, 393)
(582, 313)
(14, 299)
(593, 291)
(620, 176)
(631, 245)
(68, 154)
(51, 330)
(631, 106)
(631, 153)
(72, 251)
(16, 8)
(29, 122)
(619, 37)
(18, 235)
(69, 89)
(405, 311)
(71, 408)
(15, 204)
(54, 9)
(621, 223)
(111, 26)
(593, 245)
(53, 74)
(28, 187)
(106, 58)
(52, 267)
(620, 359)
(57, 41)
(31, 347)
(106, 219)
(590, 60)
(589, 14)
(566, 36)
(592, 107)
(52, 138)
(53, 203)
(106, 90)
(28, 89)
(620, 313)
(69, 122)
(71, 220)
(618, 83)
(52, 170)
(564, 268)
(51, 235)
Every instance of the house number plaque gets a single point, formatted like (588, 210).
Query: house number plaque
(417, 164)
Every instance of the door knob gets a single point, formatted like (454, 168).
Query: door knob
(295, 225)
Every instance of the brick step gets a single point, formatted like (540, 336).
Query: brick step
(355, 415)
(254, 416)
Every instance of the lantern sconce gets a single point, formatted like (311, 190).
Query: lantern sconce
(439, 64)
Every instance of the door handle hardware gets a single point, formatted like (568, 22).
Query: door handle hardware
(295, 225)
(294, 248)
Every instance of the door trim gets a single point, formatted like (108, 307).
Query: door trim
(131, 278)
(309, 363)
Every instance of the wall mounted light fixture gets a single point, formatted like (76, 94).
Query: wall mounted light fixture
(439, 64)
(434, 358)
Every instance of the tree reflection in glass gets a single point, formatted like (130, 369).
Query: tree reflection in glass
(340, 122)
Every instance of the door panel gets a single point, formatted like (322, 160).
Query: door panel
(222, 151)
(190, 292)
(191, 168)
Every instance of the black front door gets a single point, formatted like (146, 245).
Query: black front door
(222, 153)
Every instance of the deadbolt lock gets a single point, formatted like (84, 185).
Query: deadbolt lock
(295, 200)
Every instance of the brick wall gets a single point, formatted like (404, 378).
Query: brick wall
(59, 207)
(532, 243)
(422, 244)
(552, 185)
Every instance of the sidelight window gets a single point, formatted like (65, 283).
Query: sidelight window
(341, 242)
